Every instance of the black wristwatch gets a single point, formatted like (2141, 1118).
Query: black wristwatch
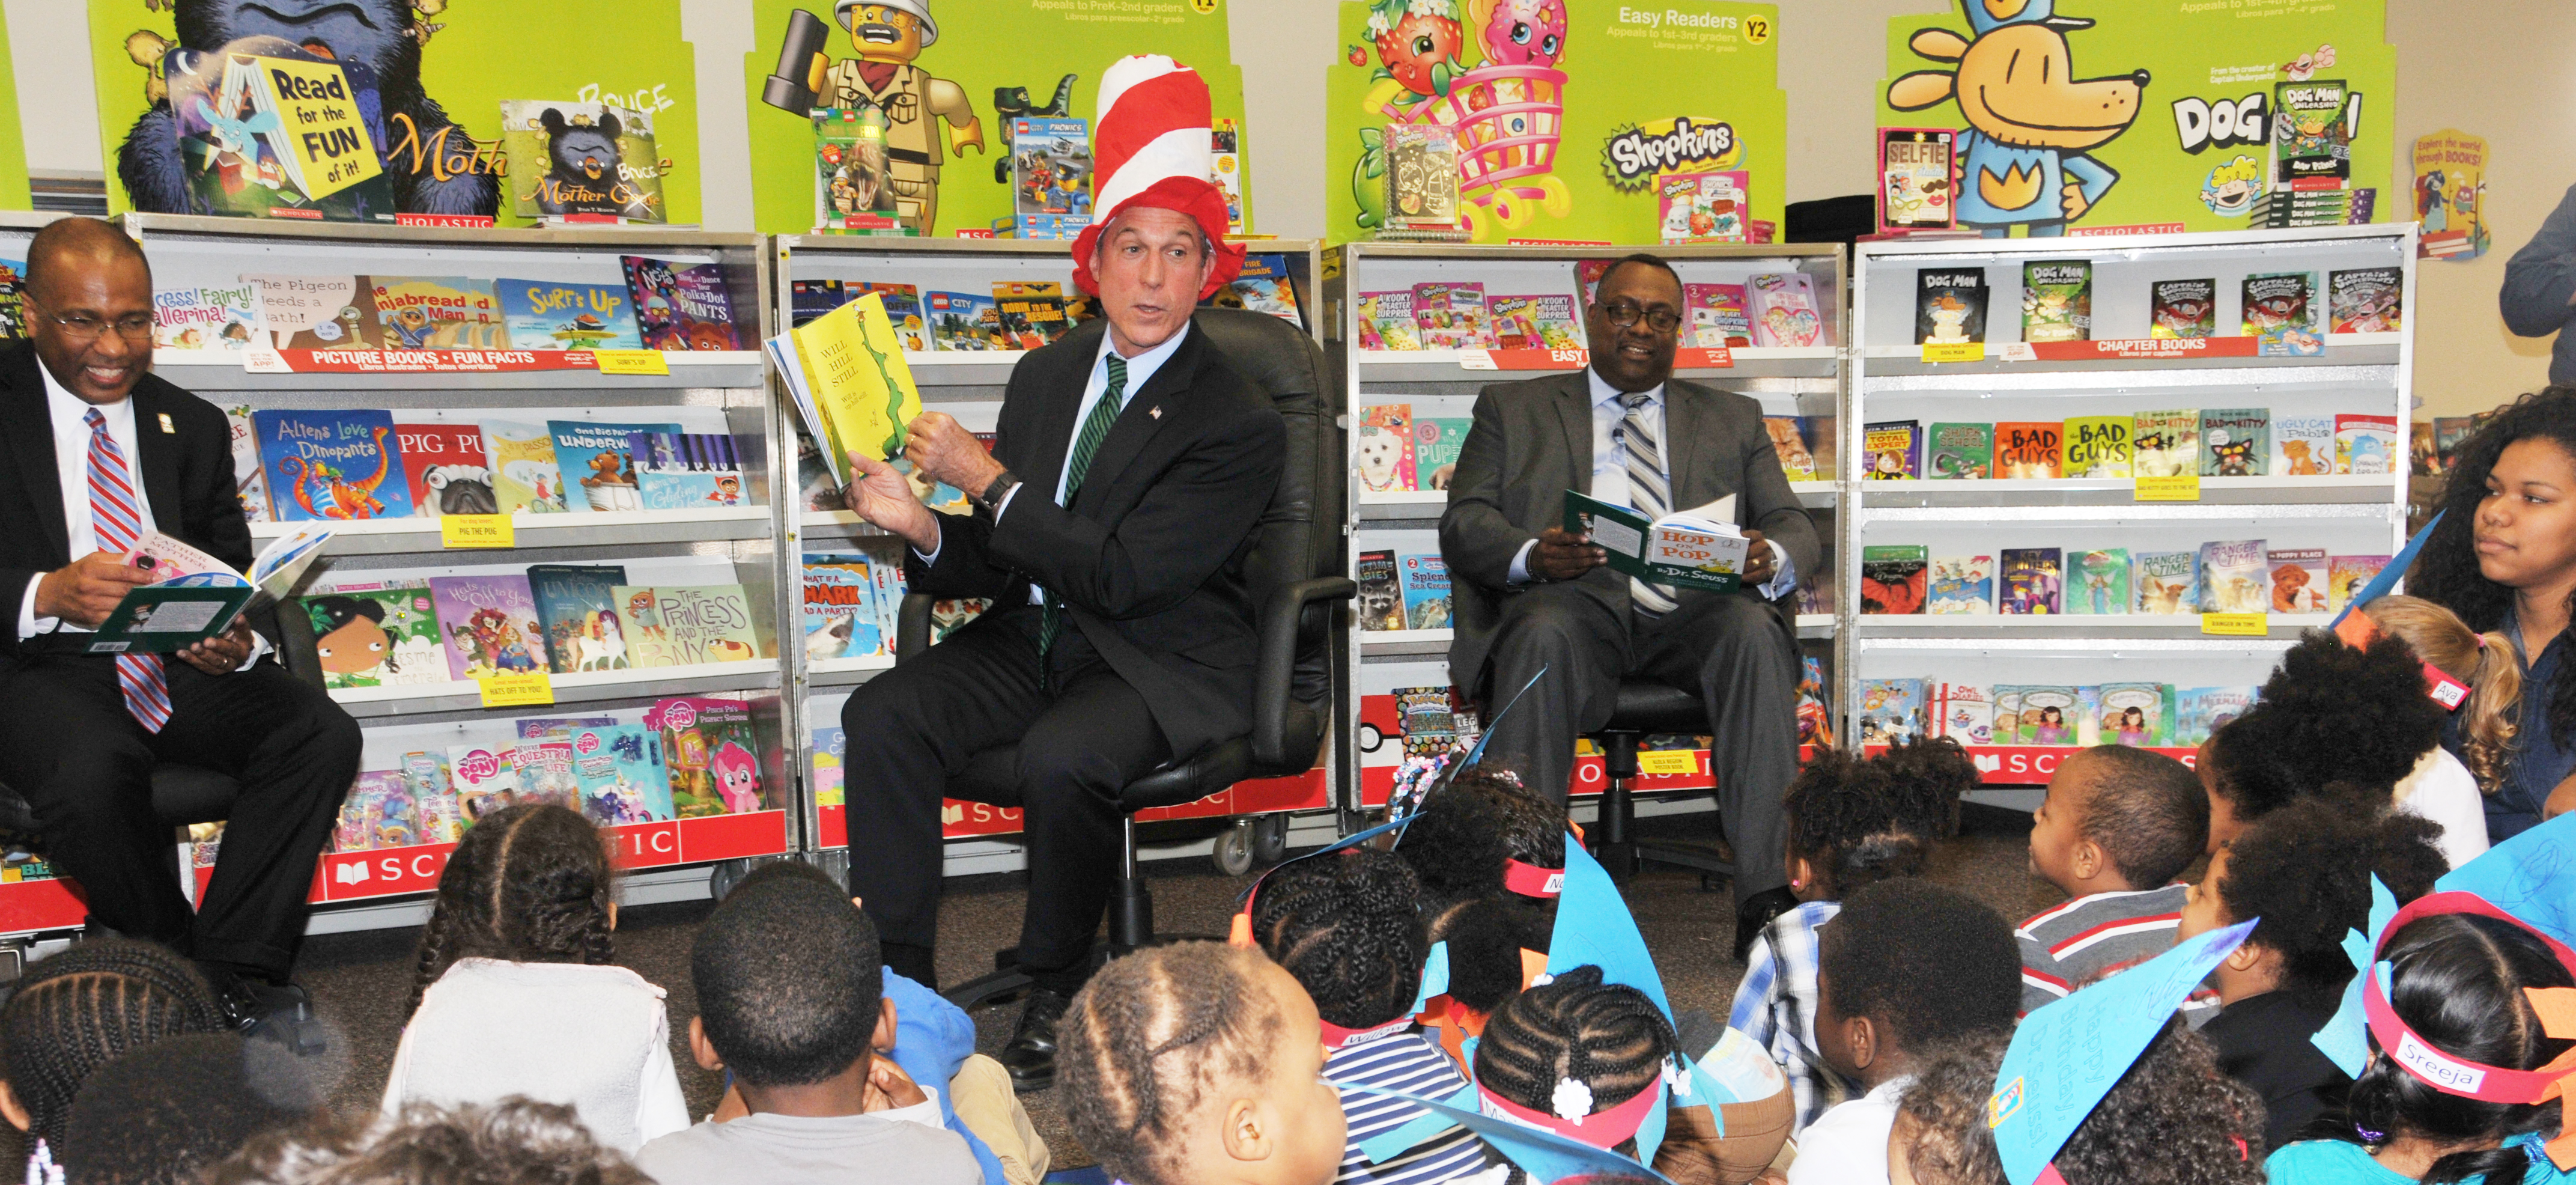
(991, 498)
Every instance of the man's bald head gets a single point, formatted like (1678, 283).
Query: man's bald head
(82, 244)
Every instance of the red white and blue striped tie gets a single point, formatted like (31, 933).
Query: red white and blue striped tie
(119, 526)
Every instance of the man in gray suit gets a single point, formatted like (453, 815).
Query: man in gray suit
(1531, 596)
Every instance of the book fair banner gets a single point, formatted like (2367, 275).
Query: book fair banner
(445, 112)
(1574, 120)
(2041, 117)
(926, 96)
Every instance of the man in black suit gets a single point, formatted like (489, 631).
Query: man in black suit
(1532, 596)
(99, 451)
(1111, 541)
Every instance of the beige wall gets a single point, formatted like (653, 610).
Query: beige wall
(2504, 69)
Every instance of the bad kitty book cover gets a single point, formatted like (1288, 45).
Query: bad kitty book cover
(578, 605)
(550, 315)
(2165, 443)
(449, 471)
(712, 753)
(377, 638)
(491, 625)
(680, 306)
(620, 772)
(331, 465)
(2235, 441)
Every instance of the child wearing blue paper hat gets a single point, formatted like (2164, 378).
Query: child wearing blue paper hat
(1906, 966)
(1346, 925)
(2479, 1011)
(1578, 1057)
(2305, 872)
(1851, 823)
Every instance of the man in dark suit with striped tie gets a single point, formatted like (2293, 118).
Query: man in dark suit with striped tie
(99, 452)
(1531, 596)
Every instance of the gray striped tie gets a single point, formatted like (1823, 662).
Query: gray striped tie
(1648, 493)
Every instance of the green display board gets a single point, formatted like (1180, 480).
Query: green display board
(14, 193)
(1567, 138)
(459, 59)
(2156, 114)
(1001, 57)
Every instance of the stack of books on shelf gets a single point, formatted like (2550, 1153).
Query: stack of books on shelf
(1019, 314)
(562, 618)
(689, 757)
(2217, 442)
(1772, 309)
(663, 305)
(1401, 452)
(295, 466)
(2286, 312)
(2146, 715)
(2232, 576)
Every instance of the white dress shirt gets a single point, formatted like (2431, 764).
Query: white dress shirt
(69, 415)
(1610, 471)
(1140, 370)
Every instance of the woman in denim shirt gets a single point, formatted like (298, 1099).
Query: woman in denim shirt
(2504, 559)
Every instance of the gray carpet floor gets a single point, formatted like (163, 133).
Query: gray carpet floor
(362, 982)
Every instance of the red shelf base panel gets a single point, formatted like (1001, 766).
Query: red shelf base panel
(971, 820)
(2033, 765)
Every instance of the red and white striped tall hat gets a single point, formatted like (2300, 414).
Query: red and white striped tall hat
(1149, 147)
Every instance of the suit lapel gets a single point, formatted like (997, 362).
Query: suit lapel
(1062, 395)
(31, 446)
(1145, 414)
(157, 459)
(1685, 466)
(1574, 413)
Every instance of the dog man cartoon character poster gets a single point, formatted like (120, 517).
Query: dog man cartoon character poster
(2089, 116)
(949, 77)
(428, 78)
(1566, 111)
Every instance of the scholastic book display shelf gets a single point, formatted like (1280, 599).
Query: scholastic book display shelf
(1801, 383)
(2310, 516)
(704, 392)
(969, 385)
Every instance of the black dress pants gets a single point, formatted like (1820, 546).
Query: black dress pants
(1734, 650)
(1082, 737)
(70, 749)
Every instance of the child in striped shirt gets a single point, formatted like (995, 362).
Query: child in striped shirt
(1348, 926)
(2118, 825)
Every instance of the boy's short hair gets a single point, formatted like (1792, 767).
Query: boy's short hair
(518, 1140)
(164, 1113)
(788, 977)
(2145, 810)
(1929, 963)
(1149, 1037)
(1348, 926)
(1947, 1102)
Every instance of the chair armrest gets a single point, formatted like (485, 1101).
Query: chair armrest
(1279, 630)
(295, 647)
(912, 625)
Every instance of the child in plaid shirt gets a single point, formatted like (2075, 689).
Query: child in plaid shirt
(1852, 823)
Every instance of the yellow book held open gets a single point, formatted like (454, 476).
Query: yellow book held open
(846, 372)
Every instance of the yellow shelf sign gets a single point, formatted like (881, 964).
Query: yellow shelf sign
(477, 530)
(2235, 625)
(1668, 762)
(526, 689)
(644, 362)
(2180, 488)
(1954, 351)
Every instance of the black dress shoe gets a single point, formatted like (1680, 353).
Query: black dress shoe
(1030, 1057)
(273, 1012)
(1757, 912)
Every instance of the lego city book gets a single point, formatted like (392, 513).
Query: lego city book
(1701, 547)
(192, 597)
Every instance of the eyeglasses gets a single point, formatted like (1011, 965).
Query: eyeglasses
(1625, 313)
(133, 327)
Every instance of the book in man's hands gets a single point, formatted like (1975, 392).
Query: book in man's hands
(1696, 548)
(846, 373)
(193, 596)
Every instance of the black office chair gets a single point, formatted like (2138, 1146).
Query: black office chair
(1645, 708)
(1294, 572)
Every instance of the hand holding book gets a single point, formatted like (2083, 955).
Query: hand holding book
(884, 497)
(86, 590)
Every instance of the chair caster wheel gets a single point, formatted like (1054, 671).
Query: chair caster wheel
(1233, 854)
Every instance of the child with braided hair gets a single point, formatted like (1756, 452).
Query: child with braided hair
(1851, 823)
(75, 1012)
(516, 993)
(1197, 1064)
(1581, 1057)
(1346, 925)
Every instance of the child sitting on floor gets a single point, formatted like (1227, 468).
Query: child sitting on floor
(1851, 823)
(2334, 722)
(2172, 1119)
(2302, 874)
(2117, 826)
(1905, 966)
(516, 993)
(1345, 924)
(1197, 1064)
(1582, 1057)
(1483, 838)
(2457, 983)
(520, 1141)
(790, 987)
(75, 1012)
(2448, 788)
(165, 1113)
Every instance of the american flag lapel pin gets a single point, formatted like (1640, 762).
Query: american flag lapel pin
(168, 428)
(1154, 412)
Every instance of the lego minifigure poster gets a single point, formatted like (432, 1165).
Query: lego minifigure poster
(2154, 115)
(952, 78)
